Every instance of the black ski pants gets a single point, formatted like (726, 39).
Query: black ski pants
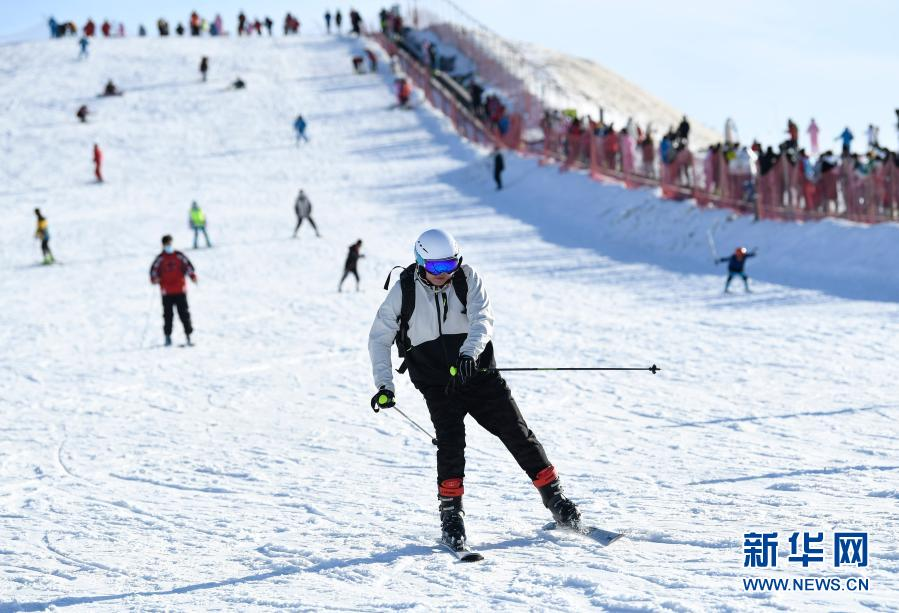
(498, 177)
(489, 401)
(300, 223)
(346, 273)
(731, 275)
(169, 302)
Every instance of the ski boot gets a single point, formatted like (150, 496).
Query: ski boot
(452, 523)
(168, 340)
(564, 511)
(189, 343)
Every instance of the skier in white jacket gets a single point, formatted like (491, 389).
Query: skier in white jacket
(446, 342)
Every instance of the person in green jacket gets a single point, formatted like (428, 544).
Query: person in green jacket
(198, 223)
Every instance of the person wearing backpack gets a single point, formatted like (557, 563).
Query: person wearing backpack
(440, 318)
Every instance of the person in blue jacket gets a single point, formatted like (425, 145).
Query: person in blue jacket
(735, 264)
(83, 43)
(846, 136)
(300, 126)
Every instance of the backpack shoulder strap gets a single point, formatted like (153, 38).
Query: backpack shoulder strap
(407, 286)
(460, 285)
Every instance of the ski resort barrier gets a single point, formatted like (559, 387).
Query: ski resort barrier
(443, 99)
(784, 192)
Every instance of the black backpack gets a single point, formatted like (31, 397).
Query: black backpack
(407, 286)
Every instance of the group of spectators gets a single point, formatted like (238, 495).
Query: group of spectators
(197, 25)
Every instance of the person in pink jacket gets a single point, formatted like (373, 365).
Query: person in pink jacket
(813, 135)
(626, 144)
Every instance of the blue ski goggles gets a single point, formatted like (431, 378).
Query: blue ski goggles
(441, 267)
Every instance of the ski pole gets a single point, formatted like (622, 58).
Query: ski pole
(653, 369)
(397, 409)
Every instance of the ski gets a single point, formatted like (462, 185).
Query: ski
(464, 553)
(603, 537)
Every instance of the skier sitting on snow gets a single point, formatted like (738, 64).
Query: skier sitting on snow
(735, 264)
(111, 89)
(446, 342)
(403, 91)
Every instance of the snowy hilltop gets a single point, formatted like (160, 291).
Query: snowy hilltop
(248, 472)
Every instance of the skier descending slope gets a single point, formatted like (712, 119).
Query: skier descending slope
(735, 265)
(168, 271)
(441, 319)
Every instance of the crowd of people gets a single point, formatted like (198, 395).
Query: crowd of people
(823, 180)
(198, 25)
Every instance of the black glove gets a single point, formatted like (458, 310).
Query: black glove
(465, 369)
(383, 399)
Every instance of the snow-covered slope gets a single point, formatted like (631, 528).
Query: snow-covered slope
(248, 472)
(572, 82)
(561, 81)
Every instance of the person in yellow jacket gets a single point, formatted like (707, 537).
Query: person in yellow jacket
(43, 233)
(198, 223)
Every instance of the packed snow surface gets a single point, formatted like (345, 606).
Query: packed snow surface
(248, 472)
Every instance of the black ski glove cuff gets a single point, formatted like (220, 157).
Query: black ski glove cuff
(383, 399)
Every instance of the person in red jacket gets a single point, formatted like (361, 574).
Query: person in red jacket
(169, 270)
(98, 162)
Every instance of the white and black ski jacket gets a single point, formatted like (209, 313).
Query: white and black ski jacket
(440, 330)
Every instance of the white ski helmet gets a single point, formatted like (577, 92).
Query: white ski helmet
(434, 245)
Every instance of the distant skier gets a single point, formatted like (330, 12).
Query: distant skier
(204, 67)
(735, 265)
(338, 20)
(83, 44)
(98, 163)
(299, 126)
(42, 233)
(403, 92)
(168, 271)
(499, 165)
(111, 90)
(328, 21)
(198, 223)
(448, 349)
(352, 260)
(82, 113)
(303, 208)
